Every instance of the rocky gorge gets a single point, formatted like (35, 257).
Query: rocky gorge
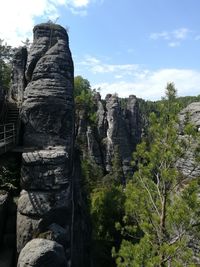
(116, 129)
(53, 226)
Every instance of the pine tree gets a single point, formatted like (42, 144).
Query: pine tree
(161, 223)
(5, 68)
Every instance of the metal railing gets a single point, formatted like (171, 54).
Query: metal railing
(7, 137)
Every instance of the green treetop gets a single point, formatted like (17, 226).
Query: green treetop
(5, 68)
(80, 85)
(162, 205)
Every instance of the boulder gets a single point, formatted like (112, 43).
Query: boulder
(42, 253)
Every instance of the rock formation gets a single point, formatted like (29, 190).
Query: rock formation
(118, 128)
(193, 113)
(188, 165)
(41, 252)
(18, 81)
(53, 227)
(46, 205)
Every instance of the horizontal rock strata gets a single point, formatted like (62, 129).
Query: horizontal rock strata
(47, 114)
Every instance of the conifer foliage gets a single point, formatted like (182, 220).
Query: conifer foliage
(162, 221)
(5, 68)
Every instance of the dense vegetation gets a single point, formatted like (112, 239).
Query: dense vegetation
(10, 165)
(161, 203)
(150, 221)
(104, 190)
(147, 107)
(5, 67)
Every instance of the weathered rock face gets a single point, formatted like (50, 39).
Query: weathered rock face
(18, 82)
(46, 205)
(188, 165)
(48, 109)
(133, 120)
(47, 169)
(117, 133)
(117, 129)
(42, 252)
(193, 112)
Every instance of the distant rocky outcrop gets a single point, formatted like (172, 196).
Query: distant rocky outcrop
(46, 207)
(192, 111)
(188, 165)
(117, 128)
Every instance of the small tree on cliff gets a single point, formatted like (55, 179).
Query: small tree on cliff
(162, 219)
(5, 68)
(80, 85)
(84, 98)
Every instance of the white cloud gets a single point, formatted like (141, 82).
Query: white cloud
(127, 79)
(174, 44)
(17, 18)
(157, 35)
(80, 3)
(96, 66)
(173, 38)
(151, 85)
(181, 34)
(118, 76)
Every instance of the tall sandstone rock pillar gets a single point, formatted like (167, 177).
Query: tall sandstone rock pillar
(45, 207)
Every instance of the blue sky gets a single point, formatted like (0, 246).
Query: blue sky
(122, 46)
